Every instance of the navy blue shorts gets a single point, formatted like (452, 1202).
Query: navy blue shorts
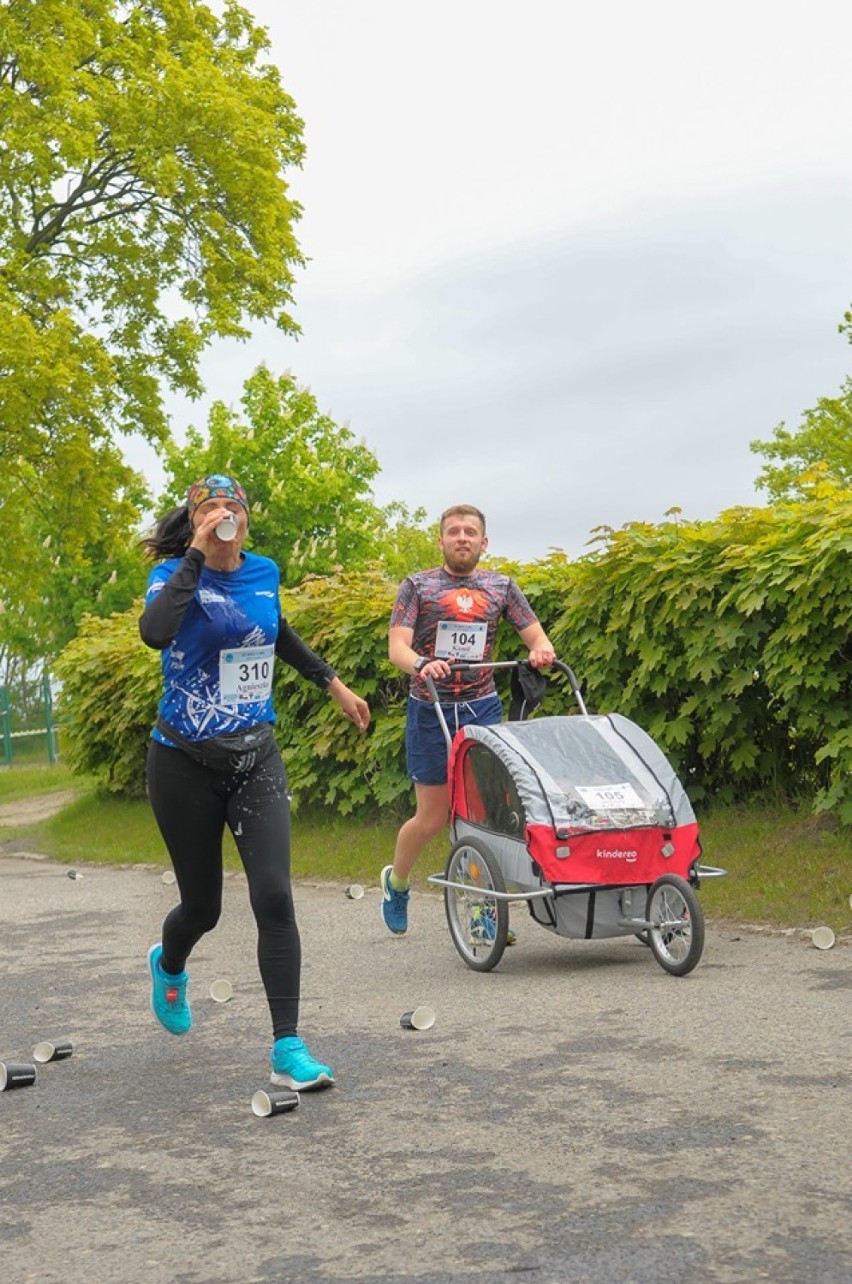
(425, 747)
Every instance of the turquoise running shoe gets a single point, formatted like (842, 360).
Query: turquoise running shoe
(168, 995)
(294, 1067)
(393, 905)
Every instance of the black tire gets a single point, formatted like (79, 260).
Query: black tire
(478, 923)
(676, 936)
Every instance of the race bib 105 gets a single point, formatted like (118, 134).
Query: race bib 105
(605, 798)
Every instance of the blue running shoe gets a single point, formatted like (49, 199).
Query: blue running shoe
(483, 924)
(393, 905)
(168, 995)
(294, 1067)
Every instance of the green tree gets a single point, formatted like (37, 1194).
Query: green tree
(142, 207)
(819, 451)
(143, 210)
(845, 326)
(77, 549)
(410, 543)
(307, 478)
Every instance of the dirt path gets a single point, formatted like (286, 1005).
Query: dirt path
(28, 811)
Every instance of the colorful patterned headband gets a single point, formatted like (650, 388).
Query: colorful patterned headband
(216, 486)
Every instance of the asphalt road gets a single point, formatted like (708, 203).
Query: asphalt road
(575, 1115)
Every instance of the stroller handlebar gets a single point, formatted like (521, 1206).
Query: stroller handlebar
(467, 665)
(456, 666)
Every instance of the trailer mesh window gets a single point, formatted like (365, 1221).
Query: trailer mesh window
(492, 798)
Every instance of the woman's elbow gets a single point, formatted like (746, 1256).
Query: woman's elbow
(150, 637)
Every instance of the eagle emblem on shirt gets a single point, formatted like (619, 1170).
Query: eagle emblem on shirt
(466, 604)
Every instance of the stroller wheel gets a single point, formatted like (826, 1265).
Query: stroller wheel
(478, 922)
(676, 934)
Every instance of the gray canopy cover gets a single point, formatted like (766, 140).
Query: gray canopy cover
(599, 771)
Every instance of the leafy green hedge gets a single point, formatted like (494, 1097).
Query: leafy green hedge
(728, 641)
(108, 701)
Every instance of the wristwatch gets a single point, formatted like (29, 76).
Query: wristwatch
(421, 662)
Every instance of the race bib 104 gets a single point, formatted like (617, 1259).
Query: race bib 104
(460, 641)
(245, 674)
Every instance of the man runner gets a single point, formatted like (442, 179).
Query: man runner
(449, 613)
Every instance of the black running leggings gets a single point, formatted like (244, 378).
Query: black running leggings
(192, 805)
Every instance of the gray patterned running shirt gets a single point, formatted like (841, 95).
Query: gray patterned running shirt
(457, 615)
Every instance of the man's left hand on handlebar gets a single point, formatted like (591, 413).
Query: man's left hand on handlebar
(541, 657)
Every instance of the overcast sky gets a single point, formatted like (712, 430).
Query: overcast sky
(566, 261)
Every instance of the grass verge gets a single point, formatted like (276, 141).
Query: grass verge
(26, 782)
(102, 829)
(786, 868)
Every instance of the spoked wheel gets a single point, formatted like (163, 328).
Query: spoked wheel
(478, 922)
(676, 935)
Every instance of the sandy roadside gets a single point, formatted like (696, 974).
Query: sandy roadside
(28, 811)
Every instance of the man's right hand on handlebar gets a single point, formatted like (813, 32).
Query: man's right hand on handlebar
(432, 668)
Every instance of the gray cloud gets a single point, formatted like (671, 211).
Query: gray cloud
(595, 378)
(598, 376)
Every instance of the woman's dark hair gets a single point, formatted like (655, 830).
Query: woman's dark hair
(171, 536)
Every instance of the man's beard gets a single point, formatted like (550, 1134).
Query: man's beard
(461, 563)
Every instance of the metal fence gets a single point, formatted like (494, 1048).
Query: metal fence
(24, 741)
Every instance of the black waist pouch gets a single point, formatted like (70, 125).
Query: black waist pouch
(242, 751)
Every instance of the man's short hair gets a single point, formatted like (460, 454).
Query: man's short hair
(463, 510)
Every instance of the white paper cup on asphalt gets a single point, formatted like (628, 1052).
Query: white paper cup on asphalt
(822, 937)
(169, 876)
(355, 892)
(16, 1074)
(422, 1018)
(58, 1051)
(227, 528)
(221, 991)
(278, 1101)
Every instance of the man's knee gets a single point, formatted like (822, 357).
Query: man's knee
(431, 819)
(431, 828)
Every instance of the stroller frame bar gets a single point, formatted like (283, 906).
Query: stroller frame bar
(632, 924)
(439, 881)
(499, 664)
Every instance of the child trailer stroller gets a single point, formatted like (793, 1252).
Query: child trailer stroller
(582, 817)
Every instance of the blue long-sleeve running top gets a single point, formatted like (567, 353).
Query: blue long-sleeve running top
(219, 633)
